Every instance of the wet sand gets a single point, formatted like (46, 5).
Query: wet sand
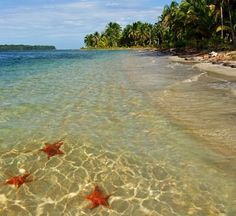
(224, 71)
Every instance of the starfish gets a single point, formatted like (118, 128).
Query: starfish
(98, 198)
(19, 180)
(52, 149)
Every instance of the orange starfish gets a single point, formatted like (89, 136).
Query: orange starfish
(98, 198)
(52, 149)
(19, 180)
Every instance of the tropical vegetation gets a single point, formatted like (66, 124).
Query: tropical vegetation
(190, 23)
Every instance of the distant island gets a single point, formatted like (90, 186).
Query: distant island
(21, 47)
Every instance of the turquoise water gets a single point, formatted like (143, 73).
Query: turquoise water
(156, 135)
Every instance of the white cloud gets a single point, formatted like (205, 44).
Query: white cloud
(71, 19)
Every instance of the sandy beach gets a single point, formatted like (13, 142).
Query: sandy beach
(220, 70)
(184, 60)
(220, 64)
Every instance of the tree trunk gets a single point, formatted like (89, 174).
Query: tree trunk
(231, 25)
(222, 20)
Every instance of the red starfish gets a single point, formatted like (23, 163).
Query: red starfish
(98, 198)
(52, 149)
(19, 180)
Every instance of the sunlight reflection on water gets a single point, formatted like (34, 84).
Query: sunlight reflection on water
(116, 135)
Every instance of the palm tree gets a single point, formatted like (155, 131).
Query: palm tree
(231, 6)
(224, 9)
(168, 19)
(131, 34)
(194, 23)
(126, 38)
(222, 19)
(89, 40)
(113, 34)
(136, 32)
(157, 34)
(96, 38)
(103, 41)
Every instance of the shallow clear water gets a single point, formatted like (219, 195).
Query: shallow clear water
(159, 136)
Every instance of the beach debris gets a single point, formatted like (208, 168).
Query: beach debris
(22, 171)
(233, 65)
(213, 54)
(173, 51)
(97, 197)
(19, 180)
(53, 149)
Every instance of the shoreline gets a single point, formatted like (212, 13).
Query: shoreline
(183, 103)
(222, 64)
(122, 48)
(219, 70)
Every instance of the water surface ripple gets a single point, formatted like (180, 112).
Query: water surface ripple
(132, 123)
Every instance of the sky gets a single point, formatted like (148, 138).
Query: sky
(64, 23)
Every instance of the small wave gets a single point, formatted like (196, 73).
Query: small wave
(173, 65)
(194, 78)
(170, 66)
(223, 85)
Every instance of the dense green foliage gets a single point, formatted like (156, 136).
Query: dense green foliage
(25, 48)
(200, 24)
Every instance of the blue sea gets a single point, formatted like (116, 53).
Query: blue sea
(156, 135)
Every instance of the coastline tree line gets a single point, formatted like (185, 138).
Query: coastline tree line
(21, 47)
(200, 24)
